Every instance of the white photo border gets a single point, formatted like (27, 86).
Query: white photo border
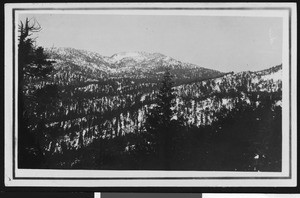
(101, 178)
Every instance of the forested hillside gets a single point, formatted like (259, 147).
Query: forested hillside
(144, 111)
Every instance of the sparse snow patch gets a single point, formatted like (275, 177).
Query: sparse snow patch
(273, 76)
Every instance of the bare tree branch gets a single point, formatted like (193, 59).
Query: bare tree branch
(30, 26)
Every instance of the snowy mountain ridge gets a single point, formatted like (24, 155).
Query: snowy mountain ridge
(121, 62)
(137, 56)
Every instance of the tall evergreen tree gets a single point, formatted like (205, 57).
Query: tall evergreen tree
(166, 100)
(33, 67)
(159, 121)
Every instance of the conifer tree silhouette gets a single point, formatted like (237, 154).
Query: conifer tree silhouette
(33, 65)
(159, 121)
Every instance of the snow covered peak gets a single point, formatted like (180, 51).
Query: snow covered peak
(137, 56)
(73, 53)
(122, 55)
(124, 62)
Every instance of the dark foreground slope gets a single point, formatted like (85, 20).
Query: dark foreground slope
(99, 118)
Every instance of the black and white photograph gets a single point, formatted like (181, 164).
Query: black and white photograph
(150, 94)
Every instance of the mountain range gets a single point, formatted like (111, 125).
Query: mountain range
(127, 64)
(100, 99)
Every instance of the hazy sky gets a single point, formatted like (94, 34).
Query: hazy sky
(223, 43)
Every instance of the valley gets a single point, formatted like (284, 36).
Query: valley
(96, 111)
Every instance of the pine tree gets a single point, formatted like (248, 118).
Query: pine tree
(32, 60)
(166, 100)
(33, 67)
(159, 120)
